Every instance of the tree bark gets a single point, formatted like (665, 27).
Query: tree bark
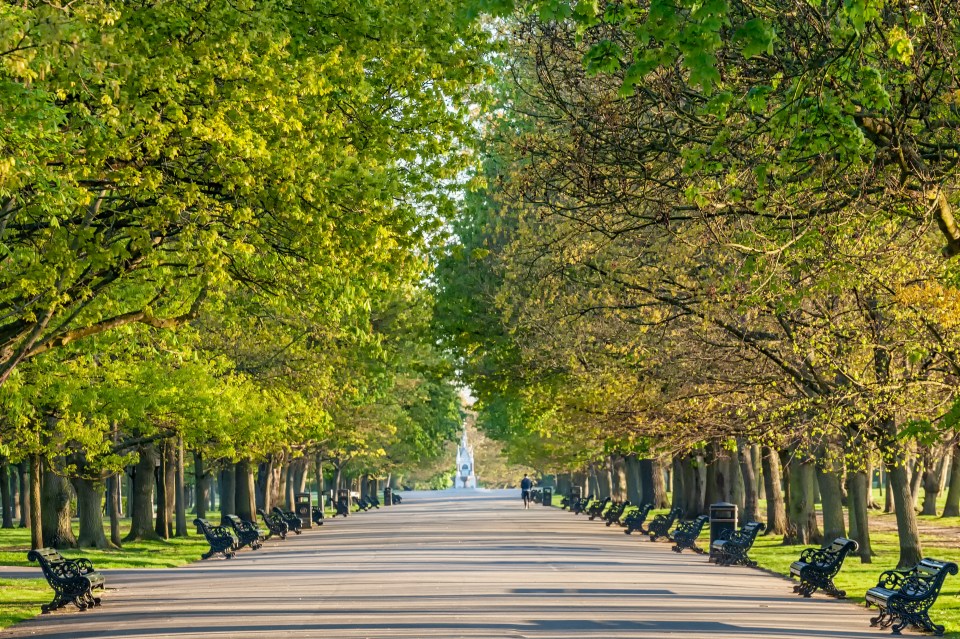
(952, 507)
(801, 517)
(228, 493)
(140, 503)
(659, 484)
(755, 457)
(245, 501)
(113, 508)
(910, 550)
(931, 483)
(90, 507)
(35, 520)
(166, 489)
(55, 515)
(180, 502)
(646, 481)
(619, 478)
(888, 505)
(632, 467)
(201, 481)
(679, 490)
(751, 510)
(318, 474)
(859, 484)
(16, 490)
(831, 494)
(915, 476)
(6, 499)
(772, 482)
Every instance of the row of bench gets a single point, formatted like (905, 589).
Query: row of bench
(75, 580)
(903, 597)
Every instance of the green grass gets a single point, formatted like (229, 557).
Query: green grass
(21, 598)
(856, 577)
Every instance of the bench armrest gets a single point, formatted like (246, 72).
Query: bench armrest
(892, 579)
(83, 565)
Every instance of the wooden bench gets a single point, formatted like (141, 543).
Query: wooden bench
(904, 597)
(293, 522)
(661, 524)
(686, 534)
(635, 519)
(732, 547)
(817, 567)
(221, 540)
(615, 512)
(596, 508)
(276, 524)
(73, 580)
(247, 533)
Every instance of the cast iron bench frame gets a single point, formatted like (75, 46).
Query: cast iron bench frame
(293, 521)
(73, 580)
(596, 508)
(615, 512)
(634, 520)
(247, 533)
(686, 533)
(904, 597)
(817, 567)
(221, 540)
(661, 524)
(276, 524)
(732, 546)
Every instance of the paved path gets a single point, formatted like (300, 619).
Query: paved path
(444, 566)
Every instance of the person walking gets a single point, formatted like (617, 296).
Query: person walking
(525, 485)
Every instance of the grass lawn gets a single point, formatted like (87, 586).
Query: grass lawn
(21, 598)
(855, 577)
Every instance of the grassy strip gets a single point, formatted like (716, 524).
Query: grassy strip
(856, 577)
(21, 598)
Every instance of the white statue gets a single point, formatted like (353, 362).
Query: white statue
(465, 475)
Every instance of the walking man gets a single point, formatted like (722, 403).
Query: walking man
(525, 485)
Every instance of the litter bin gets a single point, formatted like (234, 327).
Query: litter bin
(576, 492)
(723, 516)
(303, 506)
(387, 496)
(547, 497)
(343, 502)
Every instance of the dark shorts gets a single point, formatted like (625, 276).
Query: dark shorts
(525, 495)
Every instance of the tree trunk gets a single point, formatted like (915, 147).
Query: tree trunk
(16, 490)
(166, 489)
(801, 517)
(632, 467)
(659, 484)
(736, 486)
(859, 484)
(113, 509)
(772, 482)
(603, 481)
(831, 494)
(90, 507)
(201, 480)
(228, 493)
(246, 503)
(679, 491)
(180, 503)
(6, 500)
(888, 505)
(55, 516)
(337, 477)
(751, 510)
(915, 477)
(35, 519)
(620, 478)
(646, 482)
(871, 502)
(931, 483)
(141, 496)
(910, 549)
(952, 507)
(757, 465)
(716, 485)
(318, 474)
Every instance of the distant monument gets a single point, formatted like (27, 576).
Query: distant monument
(465, 475)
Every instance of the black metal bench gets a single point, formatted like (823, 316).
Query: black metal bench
(904, 597)
(817, 567)
(373, 501)
(397, 499)
(581, 504)
(686, 533)
(276, 524)
(615, 512)
(636, 518)
(732, 546)
(293, 522)
(316, 516)
(342, 507)
(247, 533)
(220, 538)
(661, 524)
(596, 508)
(73, 580)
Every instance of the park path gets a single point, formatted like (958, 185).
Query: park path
(450, 565)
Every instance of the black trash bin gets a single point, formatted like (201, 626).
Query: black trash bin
(343, 502)
(387, 496)
(723, 516)
(576, 492)
(547, 497)
(303, 506)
